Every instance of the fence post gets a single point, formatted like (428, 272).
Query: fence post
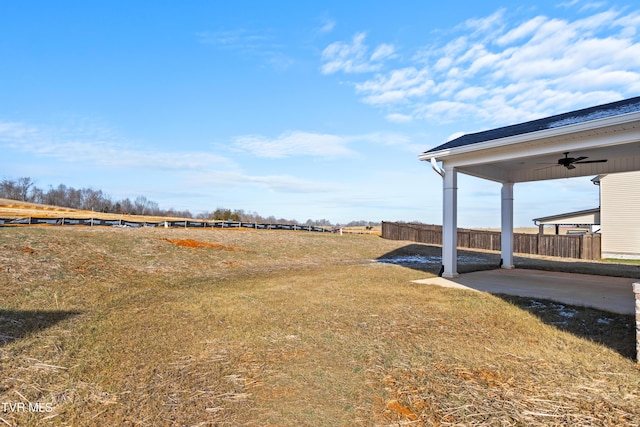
(540, 240)
(636, 292)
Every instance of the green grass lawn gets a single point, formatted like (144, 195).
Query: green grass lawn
(623, 261)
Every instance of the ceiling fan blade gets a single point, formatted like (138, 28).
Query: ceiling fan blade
(578, 159)
(592, 161)
(570, 166)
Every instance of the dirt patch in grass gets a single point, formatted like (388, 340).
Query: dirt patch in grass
(117, 327)
(196, 244)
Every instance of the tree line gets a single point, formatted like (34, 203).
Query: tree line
(24, 189)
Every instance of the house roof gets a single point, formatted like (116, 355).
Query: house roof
(573, 117)
(577, 217)
(607, 135)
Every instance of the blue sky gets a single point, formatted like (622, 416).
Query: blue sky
(304, 110)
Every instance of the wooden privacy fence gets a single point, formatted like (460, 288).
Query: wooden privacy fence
(585, 246)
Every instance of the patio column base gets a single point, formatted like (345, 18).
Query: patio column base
(636, 291)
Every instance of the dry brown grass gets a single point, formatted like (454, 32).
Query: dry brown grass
(125, 327)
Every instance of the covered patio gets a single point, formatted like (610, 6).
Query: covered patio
(604, 139)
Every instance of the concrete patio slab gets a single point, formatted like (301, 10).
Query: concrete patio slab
(614, 294)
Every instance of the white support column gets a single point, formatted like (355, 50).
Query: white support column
(506, 229)
(450, 222)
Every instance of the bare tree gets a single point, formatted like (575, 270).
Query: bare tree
(8, 190)
(93, 199)
(56, 196)
(19, 189)
(127, 207)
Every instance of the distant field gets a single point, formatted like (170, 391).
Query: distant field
(374, 231)
(148, 327)
(12, 209)
(17, 209)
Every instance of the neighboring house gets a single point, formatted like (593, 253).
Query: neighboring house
(618, 216)
(587, 220)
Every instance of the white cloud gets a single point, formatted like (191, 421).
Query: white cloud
(521, 32)
(15, 131)
(487, 25)
(328, 26)
(470, 93)
(353, 57)
(383, 51)
(295, 143)
(279, 183)
(396, 141)
(495, 71)
(454, 136)
(92, 146)
(399, 118)
(198, 169)
(397, 86)
(249, 43)
(236, 39)
(298, 143)
(446, 111)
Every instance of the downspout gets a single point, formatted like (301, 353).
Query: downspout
(434, 165)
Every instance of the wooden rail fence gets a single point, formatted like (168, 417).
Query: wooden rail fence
(585, 246)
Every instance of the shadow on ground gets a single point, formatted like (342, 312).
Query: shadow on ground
(17, 324)
(575, 266)
(429, 259)
(615, 331)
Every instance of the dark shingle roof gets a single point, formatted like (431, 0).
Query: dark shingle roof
(579, 116)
